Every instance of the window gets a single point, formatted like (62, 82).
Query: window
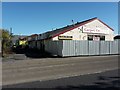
(96, 38)
(90, 37)
(102, 37)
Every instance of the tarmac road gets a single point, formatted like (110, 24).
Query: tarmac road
(23, 71)
(108, 80)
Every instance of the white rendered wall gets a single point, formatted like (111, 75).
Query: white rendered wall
(77, 35)
(94, 25)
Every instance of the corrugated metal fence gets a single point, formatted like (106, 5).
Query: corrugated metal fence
(77, 48)
(54, 47)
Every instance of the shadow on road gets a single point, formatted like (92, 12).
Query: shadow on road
(33, 52)
(102, 81)
(114, 85)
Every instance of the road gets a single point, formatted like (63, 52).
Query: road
(108, 80)
(23, 71)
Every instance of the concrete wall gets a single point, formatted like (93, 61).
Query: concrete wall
(77, 35)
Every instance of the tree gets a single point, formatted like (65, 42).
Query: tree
(6, 41)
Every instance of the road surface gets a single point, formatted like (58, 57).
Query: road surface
(23, 71)
(108, 80)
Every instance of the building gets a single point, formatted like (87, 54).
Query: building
(92, 29)
(80, 38)
(32, 40)
(18, 39)
(117, 37)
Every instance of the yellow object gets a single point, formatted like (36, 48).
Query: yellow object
(22, 42)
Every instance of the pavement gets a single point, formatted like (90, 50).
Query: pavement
(45, 69)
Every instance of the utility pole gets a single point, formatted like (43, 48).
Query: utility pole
(10, 32)
(10, 36)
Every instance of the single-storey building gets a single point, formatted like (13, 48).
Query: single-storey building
(32, 40)
(92, 29)
(77, 39)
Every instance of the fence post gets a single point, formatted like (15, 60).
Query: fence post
(119, 47)
(109, 47)
(75, 48)
(99, 47)
(88, 47)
